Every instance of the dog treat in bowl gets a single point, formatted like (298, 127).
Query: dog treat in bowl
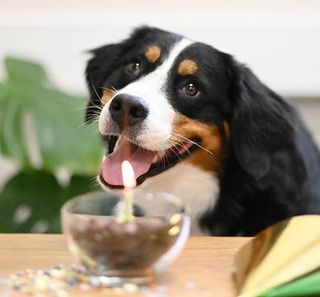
(137, 248)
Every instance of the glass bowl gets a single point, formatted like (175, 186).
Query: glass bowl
(106, 245)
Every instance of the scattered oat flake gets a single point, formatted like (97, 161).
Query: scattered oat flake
(130, 288)
(63, 281)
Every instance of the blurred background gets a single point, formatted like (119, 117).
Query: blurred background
(47, 155)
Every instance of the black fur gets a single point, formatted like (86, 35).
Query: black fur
(272, 169)
(271, 166)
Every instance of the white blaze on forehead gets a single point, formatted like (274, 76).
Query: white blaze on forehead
(151, 91)
(154, 81)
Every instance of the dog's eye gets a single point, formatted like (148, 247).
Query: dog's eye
(190, 89)
(134, 68)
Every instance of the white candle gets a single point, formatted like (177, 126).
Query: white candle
(129, 182)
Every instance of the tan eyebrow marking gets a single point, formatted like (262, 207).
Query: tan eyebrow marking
(153, 53)
(187, 67)
(107, 94)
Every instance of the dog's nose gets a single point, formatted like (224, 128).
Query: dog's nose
(127, 110)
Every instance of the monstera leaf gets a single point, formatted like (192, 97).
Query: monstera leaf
(41, 126)
(42, 131)
(31, 201)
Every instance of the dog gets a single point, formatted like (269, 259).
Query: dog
(196, 123)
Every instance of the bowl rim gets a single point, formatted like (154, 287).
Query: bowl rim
(65, 209)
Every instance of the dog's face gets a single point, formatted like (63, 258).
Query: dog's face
(164, 100)
(191, 120)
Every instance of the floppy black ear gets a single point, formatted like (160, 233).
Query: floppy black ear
(99, 67)
(261, 124)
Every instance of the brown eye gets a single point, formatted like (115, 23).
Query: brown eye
(190, 89)
(134, 68)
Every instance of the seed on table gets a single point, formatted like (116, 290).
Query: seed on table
(84, 287)
(71, 281)
(57, 273)
(130, 288)
(95, 282)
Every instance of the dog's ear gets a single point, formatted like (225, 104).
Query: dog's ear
(99, 67)
(261, 123)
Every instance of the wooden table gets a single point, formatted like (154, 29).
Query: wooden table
(204, 269)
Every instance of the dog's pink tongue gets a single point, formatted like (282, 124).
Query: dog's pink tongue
(139, 158)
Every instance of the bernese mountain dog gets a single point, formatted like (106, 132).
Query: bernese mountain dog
(196, 123)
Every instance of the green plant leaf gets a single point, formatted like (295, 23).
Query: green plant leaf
(20, 70)
(33, 112)
(31, 201)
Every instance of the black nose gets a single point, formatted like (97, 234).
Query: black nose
(127, 110)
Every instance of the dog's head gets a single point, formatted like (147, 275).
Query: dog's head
(163, 99)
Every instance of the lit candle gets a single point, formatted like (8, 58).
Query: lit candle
(129, 182)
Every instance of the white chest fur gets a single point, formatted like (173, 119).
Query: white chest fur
(197, 188)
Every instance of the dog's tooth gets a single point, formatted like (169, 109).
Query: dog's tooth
(120, 138)
(158, 157)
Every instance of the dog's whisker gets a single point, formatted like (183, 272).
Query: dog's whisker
(94, 88)
(88, 108)
(176, 137)
(173, 142)
(84, 125)
(172, 148)
(92, 121)
(114, 89)
(176, 141)
(93, 183)
(95, 107)
(94, 118)
(107, 89)
(193, 142)
(182, 144)
(95, 112)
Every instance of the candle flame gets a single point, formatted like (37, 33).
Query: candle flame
(129, 180)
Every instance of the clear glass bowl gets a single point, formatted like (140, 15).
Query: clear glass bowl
(100, 240)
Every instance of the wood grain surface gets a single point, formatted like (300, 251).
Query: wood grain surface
(204, 269)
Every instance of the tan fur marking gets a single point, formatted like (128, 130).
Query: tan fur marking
(187, 67)
(226, 127)
(153, 53)
(211, 140)
(106, 96)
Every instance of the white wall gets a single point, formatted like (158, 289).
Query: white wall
(280, 40)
